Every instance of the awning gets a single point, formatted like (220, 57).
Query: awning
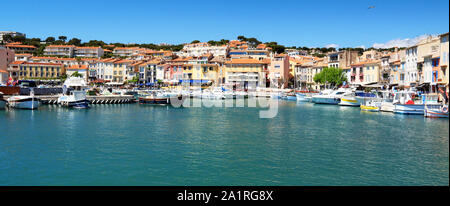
(149, 84)
(194, 81)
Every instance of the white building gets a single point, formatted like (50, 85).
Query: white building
(198, 49)
(411, 73)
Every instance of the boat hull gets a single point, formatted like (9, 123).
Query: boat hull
(80, 104)
(25, 104)
(2, 104)
(387, 107)
(370, 108)
(154, 101)
(319, 100)
(290, 98)
(349, 102)
(435, 113)
(302, 98)
(412, 109)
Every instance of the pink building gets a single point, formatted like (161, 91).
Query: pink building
(278, 71)
(6, 57)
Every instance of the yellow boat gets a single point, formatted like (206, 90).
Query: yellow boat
(370, 108)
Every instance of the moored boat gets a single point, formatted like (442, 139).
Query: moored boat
(23, 102)
(2, 101)
(329, 96)
(433, 109)
(371, 106)
(77, 97)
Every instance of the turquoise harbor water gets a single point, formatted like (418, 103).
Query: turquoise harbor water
(305, 144)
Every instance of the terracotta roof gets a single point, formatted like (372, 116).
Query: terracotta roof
(78, 67)
(245, 61)
(35, 63)
(57, 46)
(19, 46)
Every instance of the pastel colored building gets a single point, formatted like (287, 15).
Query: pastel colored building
(278, 71)
(20, 48)
(92, 52)
(246, 73)
(31, 70)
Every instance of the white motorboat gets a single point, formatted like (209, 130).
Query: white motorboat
(329, 96)
(75, 98)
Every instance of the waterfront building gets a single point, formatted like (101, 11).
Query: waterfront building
(427, 50)
(104, 69)
(30, 70)
(20, 48)
(411, 72)
(83, 70)
(278, 71)
(121, 70)
(357, 73)
(341, 59)
(148, 71)
(316, 68)
(246, 73)
(385, 71)
(396, 74)
(445, 56)
(92, 52)
(371, 72)
(303, 72)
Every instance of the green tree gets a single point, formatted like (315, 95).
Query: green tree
(75, 41)
(76, 74)
(195, 41)
(332, 76)
(7, 38)
(50, 39)
(62, 38)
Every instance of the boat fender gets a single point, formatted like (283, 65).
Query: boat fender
(445, 109)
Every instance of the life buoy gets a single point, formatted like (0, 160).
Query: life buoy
(445, 109)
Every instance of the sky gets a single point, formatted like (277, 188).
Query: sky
(311, 23)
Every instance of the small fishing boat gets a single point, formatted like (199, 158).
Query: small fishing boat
(433, 109)
(24, 102)
(290, 97)
(441, 112)
(405, 103)
(371, 106)
(2, 101)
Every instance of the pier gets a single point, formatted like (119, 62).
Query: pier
(104, 99)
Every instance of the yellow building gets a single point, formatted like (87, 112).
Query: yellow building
(120, 70)
(246, 73)
(371, 72)
(201, 73)
(32, 70)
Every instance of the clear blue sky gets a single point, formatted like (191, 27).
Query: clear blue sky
(348, 23)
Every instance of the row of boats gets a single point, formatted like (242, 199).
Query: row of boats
(400, 102)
